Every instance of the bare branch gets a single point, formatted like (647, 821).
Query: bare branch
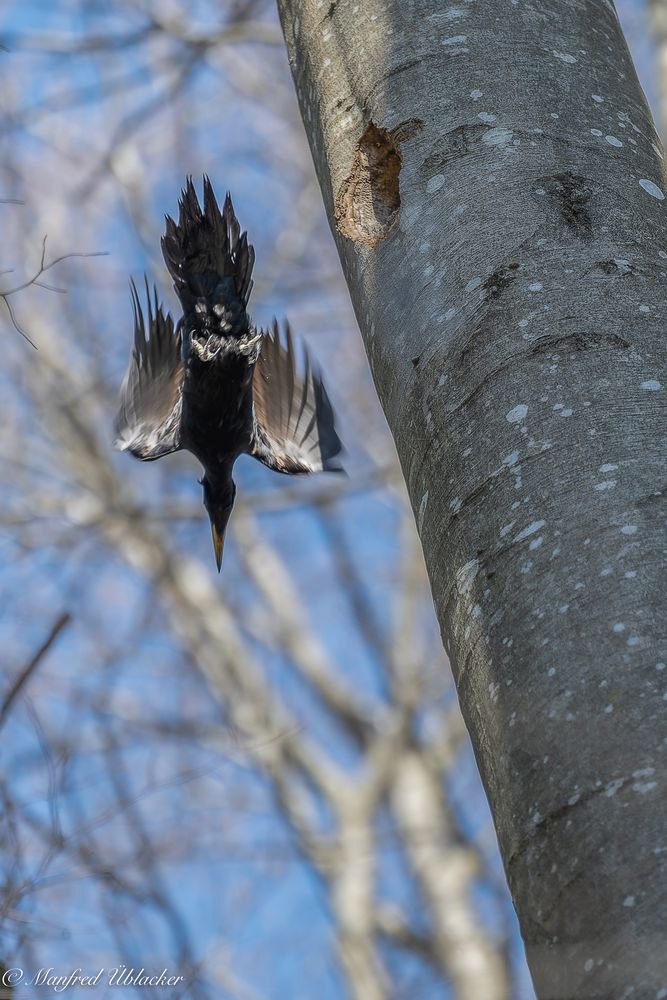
(34, 280)
(28, 670)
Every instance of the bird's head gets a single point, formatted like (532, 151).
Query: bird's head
(218, 500)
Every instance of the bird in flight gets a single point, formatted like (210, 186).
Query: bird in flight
(214, 384)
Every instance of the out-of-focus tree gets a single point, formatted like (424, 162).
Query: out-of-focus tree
(658, 21)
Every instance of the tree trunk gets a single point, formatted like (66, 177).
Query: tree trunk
(494, 184)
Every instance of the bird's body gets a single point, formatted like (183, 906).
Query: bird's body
(216, 386)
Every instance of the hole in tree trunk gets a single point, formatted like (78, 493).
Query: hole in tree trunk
(369, 202)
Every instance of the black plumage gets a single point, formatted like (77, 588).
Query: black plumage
(215, 385)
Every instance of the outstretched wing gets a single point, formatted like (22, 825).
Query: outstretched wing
(293, 428)
(149, 415)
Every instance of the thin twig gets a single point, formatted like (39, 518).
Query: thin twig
(43, 267)
(24, 675)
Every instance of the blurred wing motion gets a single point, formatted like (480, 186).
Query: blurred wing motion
(293, 419)
(149, 415)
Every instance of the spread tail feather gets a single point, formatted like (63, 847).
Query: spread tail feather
(206, 253)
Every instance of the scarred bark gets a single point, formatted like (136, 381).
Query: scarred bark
(495, 187)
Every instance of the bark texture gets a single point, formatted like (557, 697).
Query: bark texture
(495, 186)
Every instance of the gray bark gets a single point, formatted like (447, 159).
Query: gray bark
(495, 187)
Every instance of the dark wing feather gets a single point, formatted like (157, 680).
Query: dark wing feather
(294, 428)
(206, 246)
(149, 415)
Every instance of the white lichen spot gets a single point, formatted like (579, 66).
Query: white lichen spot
(634, 640)
(613, 141)
(630, 574)
(651, 189)
(606, 484)
(497, 136)
(613, 786)
(566, 412)
(435, 183)
(476, 94)
(629, 529)
(505, 530)
(563, 609)
(466, 576)
(511, 459)
(644, 787)
(422, 510)
(455, 505)
(608, 467)
(473, 284)
(467, 452)
(530, 530)
(536, 286)
(536, 542)
(455, 40)
(588, 964)
(493, 691)
(629, 901)
(619, 627)
(652, 385)
(517, 414)
(564, 57)
(486, 117)
(450, 314)
(596, 132)
(597, 98)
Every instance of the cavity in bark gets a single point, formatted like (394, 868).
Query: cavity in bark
(369, 202)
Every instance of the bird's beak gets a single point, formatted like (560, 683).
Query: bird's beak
(218, 545)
